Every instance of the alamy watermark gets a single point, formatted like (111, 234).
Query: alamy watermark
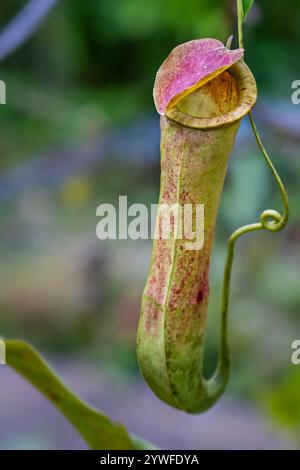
(2, 352)
(163, 221)
(2, 92)
(295, 357)
(295, 98)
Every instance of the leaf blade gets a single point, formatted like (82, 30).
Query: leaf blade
(247, 5)
(95, 427)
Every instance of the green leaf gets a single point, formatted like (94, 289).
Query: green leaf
(96, 428)
(247, 5)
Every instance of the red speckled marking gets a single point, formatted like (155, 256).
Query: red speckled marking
(152, 317)
(162, 263)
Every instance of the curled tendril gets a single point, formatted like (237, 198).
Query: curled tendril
(270, 219)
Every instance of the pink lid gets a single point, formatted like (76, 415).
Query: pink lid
(189, 66)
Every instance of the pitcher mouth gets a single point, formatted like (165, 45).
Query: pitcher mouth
(224, 100)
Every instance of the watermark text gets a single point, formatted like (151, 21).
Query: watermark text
(162, 222)
(2, 352)
(295, 98)
(2, 92)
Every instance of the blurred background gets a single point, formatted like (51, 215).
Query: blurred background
(79, 129)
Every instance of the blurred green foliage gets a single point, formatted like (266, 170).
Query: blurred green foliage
(283, 401)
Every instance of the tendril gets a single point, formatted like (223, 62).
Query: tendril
(270, 219)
